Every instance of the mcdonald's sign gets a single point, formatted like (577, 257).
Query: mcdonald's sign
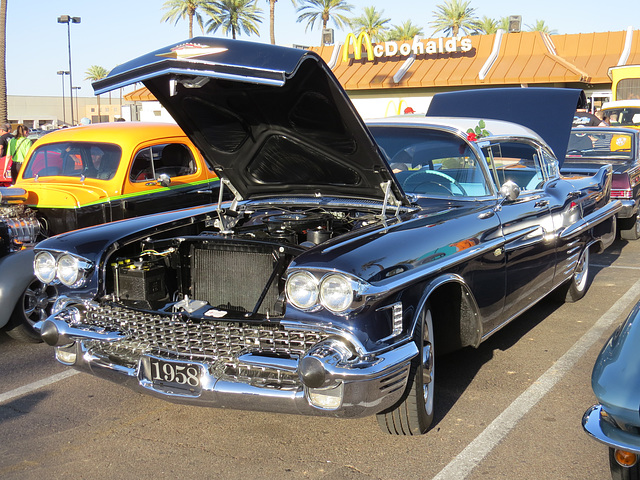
(358, 42)
(389, 49)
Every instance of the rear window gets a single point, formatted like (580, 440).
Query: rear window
(74, 159)
(598, 144)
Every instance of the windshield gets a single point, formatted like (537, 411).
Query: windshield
(592, 144)
(432, 162)
(74, 159)
(623, 116)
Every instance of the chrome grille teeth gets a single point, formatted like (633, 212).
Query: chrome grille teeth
(213, 341)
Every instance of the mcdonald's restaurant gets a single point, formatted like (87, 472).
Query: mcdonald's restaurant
(391, 77)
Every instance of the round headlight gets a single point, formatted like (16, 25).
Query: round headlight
(44, 266)
(68, 270)
(302, 290)
(336, 293)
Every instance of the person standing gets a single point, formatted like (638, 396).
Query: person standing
(18, 147)
(5, 136)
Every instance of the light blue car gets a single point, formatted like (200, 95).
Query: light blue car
(615, 420)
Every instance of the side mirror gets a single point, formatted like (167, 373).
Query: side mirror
(510, 191)
(163, 179)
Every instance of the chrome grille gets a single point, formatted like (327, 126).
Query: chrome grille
(173, 336)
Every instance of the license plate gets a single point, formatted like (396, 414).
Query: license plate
(168, 375)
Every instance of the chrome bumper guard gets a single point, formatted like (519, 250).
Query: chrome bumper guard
(369, 384)
(598, 425)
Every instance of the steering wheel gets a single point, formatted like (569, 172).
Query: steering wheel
(431, 181)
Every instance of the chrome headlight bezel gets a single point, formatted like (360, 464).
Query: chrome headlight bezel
(69, 269)
(336, 292)
(325, 295)
(45, 267)
(301, 284)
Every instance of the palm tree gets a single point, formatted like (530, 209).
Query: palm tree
(487, 26)
(323, 10)
(372, 23)
(405, 32)
(4, 116)
(503, 24)
(453, 16)
(272, 19)
(190, 9)
(95, 73)
(235, 16)
(540, 26)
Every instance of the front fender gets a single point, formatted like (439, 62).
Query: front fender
(616, 374)
(17, 273)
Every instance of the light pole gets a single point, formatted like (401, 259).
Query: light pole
(77, 115)
(62, 73)
(68, 19)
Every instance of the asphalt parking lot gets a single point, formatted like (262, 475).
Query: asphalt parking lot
(510, 409)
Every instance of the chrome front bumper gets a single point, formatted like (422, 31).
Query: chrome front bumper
(368, 383)
(601, 427)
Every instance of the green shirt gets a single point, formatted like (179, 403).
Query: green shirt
(18, 148)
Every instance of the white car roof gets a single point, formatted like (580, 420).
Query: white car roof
(621, 104)
(497, 128)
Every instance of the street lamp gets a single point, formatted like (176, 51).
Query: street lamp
(69, 20)
(77, 116)
(62, 73)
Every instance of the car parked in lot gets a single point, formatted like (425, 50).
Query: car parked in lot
(623, 113)
(591, 148)
(349, 255)
(84, 176)
(615, 419)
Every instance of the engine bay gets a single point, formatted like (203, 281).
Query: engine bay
(234, 265)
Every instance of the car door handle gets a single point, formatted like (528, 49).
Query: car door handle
(541, 204)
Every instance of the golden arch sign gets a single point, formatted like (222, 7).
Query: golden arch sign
(362, 40)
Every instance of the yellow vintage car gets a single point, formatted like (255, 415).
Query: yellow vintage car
(85, 176)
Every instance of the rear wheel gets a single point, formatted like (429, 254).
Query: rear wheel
(632, 233)
(618, 472)
(575, 289)
(34, 305)
(414, 414)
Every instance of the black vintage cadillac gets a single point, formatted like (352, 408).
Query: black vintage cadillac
(350, 252)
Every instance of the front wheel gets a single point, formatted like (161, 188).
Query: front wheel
(414, 414)
(574, 289)
(33, 306)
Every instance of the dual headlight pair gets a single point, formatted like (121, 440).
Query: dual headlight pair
(334, 291)
(66, 268)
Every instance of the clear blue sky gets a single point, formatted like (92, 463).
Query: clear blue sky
(114, 31)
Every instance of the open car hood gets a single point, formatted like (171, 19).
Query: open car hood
(270, 120)
(547, 111)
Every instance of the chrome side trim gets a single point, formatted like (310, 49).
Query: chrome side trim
(598, 425)
(591, 220)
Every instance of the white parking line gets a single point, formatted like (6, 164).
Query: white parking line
(18, 392)
(613, 266)
(478, 449)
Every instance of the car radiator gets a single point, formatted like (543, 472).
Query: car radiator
(240, 278)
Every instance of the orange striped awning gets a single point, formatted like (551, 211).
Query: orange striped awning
(498, 59)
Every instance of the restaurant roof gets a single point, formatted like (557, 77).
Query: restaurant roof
(532, 58)
(497, 59)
